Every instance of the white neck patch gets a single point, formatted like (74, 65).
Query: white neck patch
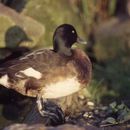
(61, 88)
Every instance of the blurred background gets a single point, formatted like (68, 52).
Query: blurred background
(105, 24)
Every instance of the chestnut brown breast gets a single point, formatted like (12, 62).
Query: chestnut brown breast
(83, 66)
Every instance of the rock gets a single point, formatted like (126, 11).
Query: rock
(42, 127)
(53, 115)
(62, 127)
(68, 127)
(18, 30)
(25, 127)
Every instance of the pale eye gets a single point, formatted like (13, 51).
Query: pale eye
(73, 31)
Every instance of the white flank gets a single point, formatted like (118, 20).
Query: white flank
(62, 88)
(32, 73)
(4, 80)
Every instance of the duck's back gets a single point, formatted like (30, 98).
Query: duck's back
(37, 70)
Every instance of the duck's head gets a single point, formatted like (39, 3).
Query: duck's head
(64, 37)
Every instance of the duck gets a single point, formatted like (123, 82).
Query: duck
(50, 73)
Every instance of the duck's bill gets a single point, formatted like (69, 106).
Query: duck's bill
(81, 41)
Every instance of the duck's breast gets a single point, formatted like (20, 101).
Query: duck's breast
(83, 66)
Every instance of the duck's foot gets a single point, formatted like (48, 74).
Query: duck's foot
(51, 112)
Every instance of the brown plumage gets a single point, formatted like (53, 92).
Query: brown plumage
(67, 70)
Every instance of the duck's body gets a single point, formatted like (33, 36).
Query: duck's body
(50, 73)
(47, 72)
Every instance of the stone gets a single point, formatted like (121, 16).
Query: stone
(42, 127)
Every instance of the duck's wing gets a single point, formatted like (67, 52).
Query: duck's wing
(38, 61)
(38, 68)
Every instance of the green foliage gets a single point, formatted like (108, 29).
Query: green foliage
(112, 52)
(121, 114)
(99, 92)
(115, 74)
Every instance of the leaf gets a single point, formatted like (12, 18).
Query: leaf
(121, 106)
(113, 105)
(125, 118)
(110, 120)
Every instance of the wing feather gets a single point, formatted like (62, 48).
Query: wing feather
(45, 61)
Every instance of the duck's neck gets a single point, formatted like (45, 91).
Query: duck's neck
(59, 47)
